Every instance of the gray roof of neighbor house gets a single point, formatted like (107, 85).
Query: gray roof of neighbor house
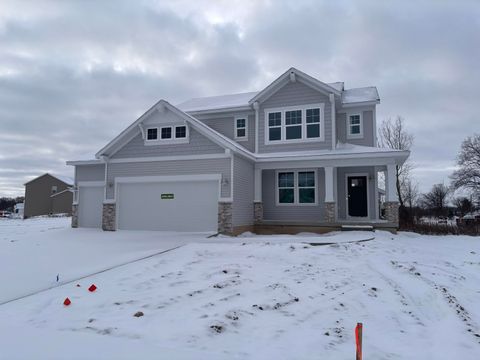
(66, 179)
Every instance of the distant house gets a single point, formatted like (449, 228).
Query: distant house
(18, 209)
(48, 194)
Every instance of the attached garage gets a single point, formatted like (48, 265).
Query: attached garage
(90, 203)
(168, 203)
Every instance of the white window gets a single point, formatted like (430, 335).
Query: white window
(295, 124)
(354, 126)
(152, 134)
(241, 128)
(296, 187)
(54, 189)
(172, 134)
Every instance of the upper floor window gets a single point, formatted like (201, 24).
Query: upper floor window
(241, 128)
(166, 134)
(152, 134)
(54, 189)
(354, 126)
(295, 124)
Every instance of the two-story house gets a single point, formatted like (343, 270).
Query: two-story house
(298, 155)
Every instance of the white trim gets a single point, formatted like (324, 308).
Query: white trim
(285, 78)
(256, 106)
(296, 188)
(283, 126)
(90, 183)
(171, 158)
(348, 125)
(389, 156)
(218, 110)
(257, 185)
(61, 192)
(173, 140)
(232, 156)
(147, 140)
(391, 183)
(361, 103)
(377, 205)
(84, 162)
(236, 137)
(329, 184)
(375, 140)
(334, 121)
(347, 175)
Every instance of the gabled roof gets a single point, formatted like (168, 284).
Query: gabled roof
(202, 128)
(67, 180)
(293, 74)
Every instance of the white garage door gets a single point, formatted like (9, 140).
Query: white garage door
(168, 206)
(90, 203)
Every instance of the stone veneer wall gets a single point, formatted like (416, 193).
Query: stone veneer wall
(108, 217)
(225, 221)
(391, 211)
(329, 212)
(257, 211)
(75, 216)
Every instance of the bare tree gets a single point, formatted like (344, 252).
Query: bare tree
(393, 135)
(410, 193)
(436, 199)
(468, 174)
(463, 205)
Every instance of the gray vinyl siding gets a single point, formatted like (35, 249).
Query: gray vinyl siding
(271, 211)
(178, 167)
(89, 173)
(38, 200)
(243, 191)
(341, 189)
(198, 144)
(290, 95)
(225, 125)
(368, 131)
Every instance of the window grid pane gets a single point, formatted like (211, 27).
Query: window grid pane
(293, 117)
(313, 130)
(293, 132)
(286, 188)
(241, 123)
(167, 133)
(180, 132)
(355, 129)
(355, 120)
(306, 187)
(275, 119)
(151, 134)
(313, 116)
(241, 133)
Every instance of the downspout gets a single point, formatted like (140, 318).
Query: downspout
(256, 106)
(334, 121)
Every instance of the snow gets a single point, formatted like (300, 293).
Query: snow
(363, 94)
(217, 102)
(241, 99)
(250, 297)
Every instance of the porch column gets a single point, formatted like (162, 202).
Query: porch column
(329, 215)
(257, 200)
(391, 203)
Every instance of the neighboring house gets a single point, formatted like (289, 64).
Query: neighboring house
(298, 155)
(48, 194)
(18, 209)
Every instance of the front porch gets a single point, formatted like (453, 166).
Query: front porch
(320, 196)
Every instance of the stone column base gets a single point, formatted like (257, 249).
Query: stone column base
(257, 211)
(75, 216)
(225, 221)
(391, 211)
(329, 215)
(108, 217)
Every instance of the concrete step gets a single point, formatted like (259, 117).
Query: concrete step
(357, 228)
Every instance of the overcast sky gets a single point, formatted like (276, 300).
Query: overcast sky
(73, 74)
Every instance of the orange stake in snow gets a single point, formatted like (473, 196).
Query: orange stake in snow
(358, 340)
(67, 302)
(92, 288)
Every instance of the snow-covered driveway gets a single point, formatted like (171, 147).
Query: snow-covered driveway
(34, 251)
(269, 297)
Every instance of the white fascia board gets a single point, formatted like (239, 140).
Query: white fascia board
(219, 110)
(285, 78)
(361, 103)
(170, 158)
(84, 162)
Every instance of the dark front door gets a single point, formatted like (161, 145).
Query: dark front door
(357, 196)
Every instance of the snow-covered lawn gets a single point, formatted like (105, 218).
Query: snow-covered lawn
(269, 297)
